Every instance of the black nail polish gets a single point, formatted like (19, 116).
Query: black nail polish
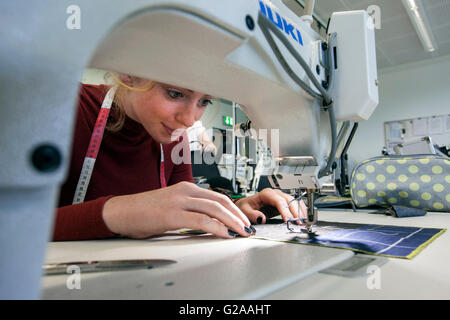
(259, 220)
(247, 229)
(232, 233)
(253, 228)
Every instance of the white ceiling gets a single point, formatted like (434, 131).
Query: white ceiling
(397, 40)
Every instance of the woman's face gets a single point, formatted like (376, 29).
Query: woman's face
(166, 111)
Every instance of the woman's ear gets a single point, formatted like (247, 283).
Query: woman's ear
(132, 81)
(127, 79)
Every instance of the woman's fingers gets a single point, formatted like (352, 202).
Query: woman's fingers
(297, 207)
(198, 192)
(284, 209)
(303, 210)
(200, 221)
(254, 215)
(277, 199)
(214, 209)
(285, 204)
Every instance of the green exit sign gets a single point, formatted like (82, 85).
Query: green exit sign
(228, 121)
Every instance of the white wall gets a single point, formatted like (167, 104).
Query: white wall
(408, 91)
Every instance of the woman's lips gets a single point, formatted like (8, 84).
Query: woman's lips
(174, 133)
(169, 130)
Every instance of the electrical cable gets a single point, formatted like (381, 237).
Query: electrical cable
(266, 26)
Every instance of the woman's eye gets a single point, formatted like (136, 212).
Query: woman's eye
(205, 102)
(174, 94)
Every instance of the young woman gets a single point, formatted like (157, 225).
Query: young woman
(135, 189)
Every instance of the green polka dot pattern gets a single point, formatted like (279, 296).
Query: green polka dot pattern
(421, 181)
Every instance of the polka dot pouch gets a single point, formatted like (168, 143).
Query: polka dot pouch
(416, 181)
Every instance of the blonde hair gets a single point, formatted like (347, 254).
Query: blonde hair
(118, 114)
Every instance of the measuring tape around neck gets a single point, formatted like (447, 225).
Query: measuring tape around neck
(94, 147)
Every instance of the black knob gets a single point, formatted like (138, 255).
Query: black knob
(46, 158)
(249, 22)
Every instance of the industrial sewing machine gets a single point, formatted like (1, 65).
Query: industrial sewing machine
(289, 80)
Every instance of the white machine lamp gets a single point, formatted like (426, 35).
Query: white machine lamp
(418, 18)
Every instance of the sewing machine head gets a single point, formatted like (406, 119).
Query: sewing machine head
(229, 55)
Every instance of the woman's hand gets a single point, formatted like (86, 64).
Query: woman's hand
(283, 202)
(183, 205)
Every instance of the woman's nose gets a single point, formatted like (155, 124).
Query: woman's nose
(187, 115)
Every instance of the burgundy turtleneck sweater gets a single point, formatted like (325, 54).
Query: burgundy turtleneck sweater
(128, 162)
